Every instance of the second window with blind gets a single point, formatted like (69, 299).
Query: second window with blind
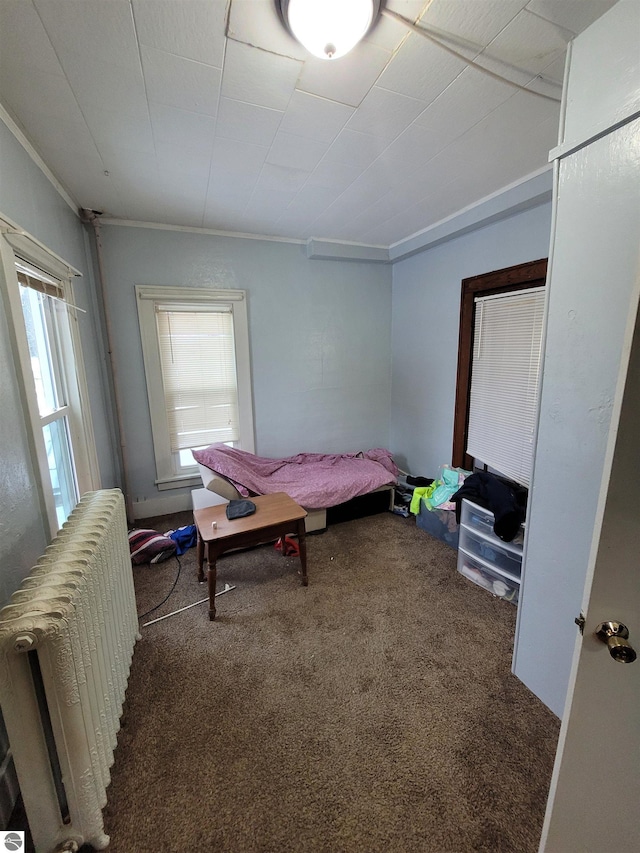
(499, 364)
(195, 345)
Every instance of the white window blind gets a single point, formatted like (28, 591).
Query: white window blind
(197, 356)
(504, 381)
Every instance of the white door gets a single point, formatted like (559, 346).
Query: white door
(594, 800)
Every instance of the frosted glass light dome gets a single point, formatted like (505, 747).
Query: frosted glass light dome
(328, 28)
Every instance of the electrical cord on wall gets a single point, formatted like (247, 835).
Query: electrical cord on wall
(168, 595)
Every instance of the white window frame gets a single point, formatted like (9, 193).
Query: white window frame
(17, 245)
(147, 298)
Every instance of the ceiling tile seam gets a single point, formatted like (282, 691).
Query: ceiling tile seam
(390, 219)
(230, 37)
(561, 29)
(175, 55)
(215, 126)
(80, 110)
(144, 80)
(265, 163)
(524, 71)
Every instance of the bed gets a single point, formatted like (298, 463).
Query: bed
(316, 481)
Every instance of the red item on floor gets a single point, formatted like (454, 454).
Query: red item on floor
(291, 547)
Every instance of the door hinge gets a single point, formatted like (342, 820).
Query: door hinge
(580, 622)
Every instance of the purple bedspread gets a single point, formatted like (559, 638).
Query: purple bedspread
(314, 480)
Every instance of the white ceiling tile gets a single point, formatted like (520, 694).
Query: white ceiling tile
(247, 122)
(92, 30)
(114, 129)
(478, 21)
(184, 188)
(236, 164)
(180, 82)
(555, 72)
(85, 180)
(269, 203)
(257, 22)
(574, 15)
(20, 25)
(281, 179)
(124, 165)
(307, 205)
(334, 175)
(315, 118)
(528, 43)
(225, 200)
(420, 70)
(38, 92)
(221, 204)
(257, 77)
(385, 114)
(72, 135)
(186, 214)
(355, 149)
(296, 152)
(193, 29)
(105, 85)
(147, 207)
(181, 127)
(470, 97)
(183, 159)
(388, 33)
(348, 79)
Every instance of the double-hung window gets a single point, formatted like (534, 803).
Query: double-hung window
(46, 342)
(196, 354)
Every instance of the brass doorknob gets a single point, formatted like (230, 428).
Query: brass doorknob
(616, 636)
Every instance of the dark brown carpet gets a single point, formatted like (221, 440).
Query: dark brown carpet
(372, 711)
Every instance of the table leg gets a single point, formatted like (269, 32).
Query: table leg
(199, 556)
(211, 580)
(302, 544)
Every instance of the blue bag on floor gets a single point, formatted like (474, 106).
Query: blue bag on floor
(184, 537)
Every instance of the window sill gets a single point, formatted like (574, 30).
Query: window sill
(179, 481)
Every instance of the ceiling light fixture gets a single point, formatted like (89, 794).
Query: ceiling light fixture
(328, 28)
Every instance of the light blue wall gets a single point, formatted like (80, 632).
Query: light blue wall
(320, 338)
(425, 326)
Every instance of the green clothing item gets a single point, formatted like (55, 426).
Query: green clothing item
(421, 492)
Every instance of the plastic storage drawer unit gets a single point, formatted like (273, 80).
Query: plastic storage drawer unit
(485, 577)
(477, 518)
(497, 556)
(484, 558)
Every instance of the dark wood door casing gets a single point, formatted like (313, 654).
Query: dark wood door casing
(520, 277)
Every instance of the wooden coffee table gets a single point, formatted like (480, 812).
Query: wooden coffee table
(275, 516)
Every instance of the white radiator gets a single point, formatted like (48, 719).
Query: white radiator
(66, 643)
